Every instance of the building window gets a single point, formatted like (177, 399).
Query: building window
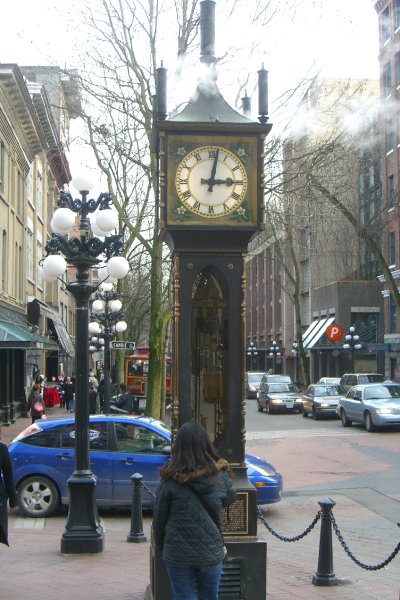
(2, 166)
(397, 67)
(386, 25)
(389, 135)
(392, 248)
(39, 192)
(361, 183)
(4, 256)
(371, 176)
(30, 252)
(390, 189)
(392, 315)
(387, 79)
(397, 14)
(30, 185)
(39, 256)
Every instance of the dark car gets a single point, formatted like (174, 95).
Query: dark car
(374, 405)
(253, 379)
(43, 459)
(320, 399)
(348, 380)
(276, 397)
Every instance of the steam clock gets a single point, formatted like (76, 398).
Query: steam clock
(211, 176)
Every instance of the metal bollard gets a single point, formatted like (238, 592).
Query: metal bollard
(325, 574)
(136, 533)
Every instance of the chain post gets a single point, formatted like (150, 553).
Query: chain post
(136, 533)
(325, 575)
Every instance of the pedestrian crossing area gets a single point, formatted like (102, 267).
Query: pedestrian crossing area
(285, 434)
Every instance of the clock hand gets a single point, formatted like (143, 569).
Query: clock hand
(213, 171)
(228, 181)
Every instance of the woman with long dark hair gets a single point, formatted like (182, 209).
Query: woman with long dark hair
(195, 485)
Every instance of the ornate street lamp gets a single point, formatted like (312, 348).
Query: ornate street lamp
(83, 532)
(252, 353)
(352, 343)
(274, 351)
(106, 313)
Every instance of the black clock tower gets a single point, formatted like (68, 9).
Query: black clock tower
(211, 189)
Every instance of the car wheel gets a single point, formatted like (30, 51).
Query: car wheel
(315, 415)
(369, 426)
(304, 413)
(345, 421)
(260, 408)
(38, 496)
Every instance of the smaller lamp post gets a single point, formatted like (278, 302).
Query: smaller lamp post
(107, 316)
(252, 353)
(274, 351)
(295, 352)
(352, 343)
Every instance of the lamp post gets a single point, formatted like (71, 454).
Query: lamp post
(252, 352)
(352, 343)
(274, 351)
(107, 316)
(83, 532)
(295, 352)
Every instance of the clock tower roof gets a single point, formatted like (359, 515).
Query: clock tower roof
(209, 106)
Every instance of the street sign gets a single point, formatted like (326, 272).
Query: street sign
(123, 345)
(334, 332)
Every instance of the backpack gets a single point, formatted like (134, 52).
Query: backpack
(38, 407)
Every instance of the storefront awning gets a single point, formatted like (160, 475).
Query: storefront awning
(62, 333)
(13, 336)
(315, 331)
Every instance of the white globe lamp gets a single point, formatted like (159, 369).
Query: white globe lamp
(54, 265)
(118, 267)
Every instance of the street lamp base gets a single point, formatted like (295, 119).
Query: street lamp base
(83, 533)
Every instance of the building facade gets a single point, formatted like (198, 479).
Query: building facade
(35, 317)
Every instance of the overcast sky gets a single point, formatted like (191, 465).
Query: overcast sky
(340, 37)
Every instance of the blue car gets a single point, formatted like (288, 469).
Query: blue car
(43, 459)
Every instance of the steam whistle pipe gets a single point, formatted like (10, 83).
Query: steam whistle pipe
(207, 31)
(325, 575)
(161, 91)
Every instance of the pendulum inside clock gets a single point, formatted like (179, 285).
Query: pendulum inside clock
(209, 352)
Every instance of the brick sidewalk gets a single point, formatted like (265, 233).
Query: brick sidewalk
(33, 564)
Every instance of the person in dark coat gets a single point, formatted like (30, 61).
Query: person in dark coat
(69, 390)
(125, 401)
(92, 400)
(195, 484)
(7, 491)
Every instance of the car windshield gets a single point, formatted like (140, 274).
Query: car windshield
(327, 390)
(370, 378)
(279, 388)
(382, 392)
(254, 377)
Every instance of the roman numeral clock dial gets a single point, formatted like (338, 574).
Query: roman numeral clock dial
(211, 182)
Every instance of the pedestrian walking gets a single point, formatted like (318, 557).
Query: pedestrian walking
(36, 406)
(8, 494)
(92, 400)
(69, 390)
(195, 484)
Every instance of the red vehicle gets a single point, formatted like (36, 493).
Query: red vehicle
(136, 373)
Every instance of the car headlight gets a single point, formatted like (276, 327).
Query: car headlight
(252, 388)
(276, 401)
(382, 411)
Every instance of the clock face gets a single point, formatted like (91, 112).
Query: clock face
(211, 181)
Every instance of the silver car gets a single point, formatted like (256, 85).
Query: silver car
(375, 405)
(320, 399)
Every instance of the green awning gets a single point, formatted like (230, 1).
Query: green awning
(19, 336)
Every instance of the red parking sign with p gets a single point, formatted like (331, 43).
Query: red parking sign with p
(334, 332)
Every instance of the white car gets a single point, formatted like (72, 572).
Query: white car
(375, 405)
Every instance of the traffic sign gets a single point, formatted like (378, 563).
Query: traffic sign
(334, 332)
(123, 345)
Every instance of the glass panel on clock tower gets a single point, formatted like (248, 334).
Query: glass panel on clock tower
(209, 352)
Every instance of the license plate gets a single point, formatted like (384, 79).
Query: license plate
(289, 404)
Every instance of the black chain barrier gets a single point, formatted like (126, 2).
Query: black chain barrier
(296, 537)
(147, 489)
(353, 558)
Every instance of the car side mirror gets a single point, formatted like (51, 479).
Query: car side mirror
(166, 450)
